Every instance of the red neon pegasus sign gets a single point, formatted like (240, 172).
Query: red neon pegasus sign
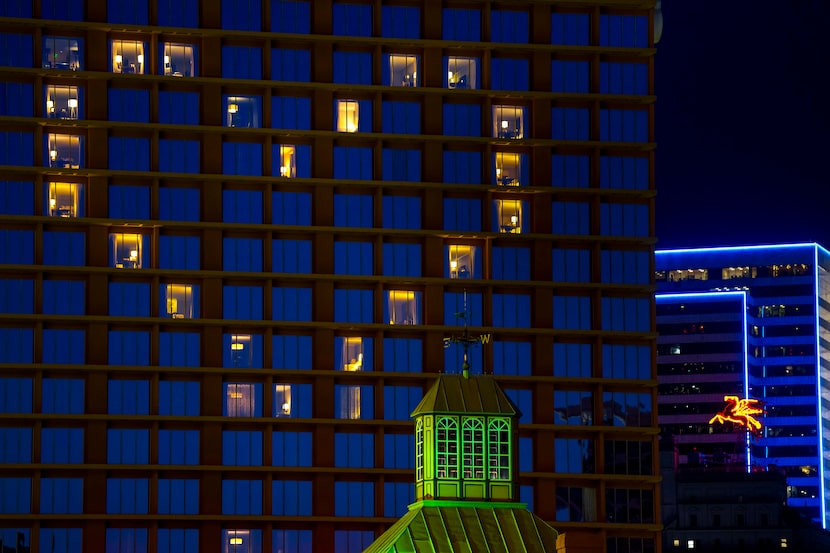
(740, 411)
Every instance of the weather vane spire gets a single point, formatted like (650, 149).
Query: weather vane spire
(465, 339)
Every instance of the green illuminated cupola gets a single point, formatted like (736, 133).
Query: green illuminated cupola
(465, 441)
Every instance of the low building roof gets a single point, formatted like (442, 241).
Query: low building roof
(471, 395)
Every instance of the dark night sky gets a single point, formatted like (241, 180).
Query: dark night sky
(743, 123)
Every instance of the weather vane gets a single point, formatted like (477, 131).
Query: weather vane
(740, 411)
(465, 339)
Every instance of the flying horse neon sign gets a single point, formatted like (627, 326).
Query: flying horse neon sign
(740, 411)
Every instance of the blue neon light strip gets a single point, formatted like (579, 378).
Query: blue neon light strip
(746, 378)
(821, 472)
(738, 248)
(699, 295)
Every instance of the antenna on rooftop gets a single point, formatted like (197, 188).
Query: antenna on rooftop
(465, 339)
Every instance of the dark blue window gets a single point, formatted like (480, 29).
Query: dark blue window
(16, 345)
(178, 204)
(572, 360)
(242, 448)
(402, 212)
(179, 349)
(17, 148)
(289, 112)
(623, 125)
(15, 445)
(570, 124)
(571, 265)
(511, 263)
(571, 218)
(179, 252)
(352, 67)
(241, 254)
(572, 312)
(128, 397)
(241, 497)
(291, 256)
(16, 8)
(290, 65)
(63, 346)
(242, 206)
(399, 451)
(61, 495)
(17, 296)
(462, 214)
(178, 447)
(66, 540)
(16, 393)
(241, 62)
(242, 302)
(178, 540)
(461, 24)
(401, 117)
(512, 358)
(16, 99)
(569, 76)
(352, 163)
(352, 19)
(511, 310)
(509, 26)
(462, 119)
(129, 347)
(128, 446)
(623, 219)
(132, 12)
(127, 104)
(291, 352)
(128, 496)
(291, 449)
(291, 208)
(625, 267)
(62, 445)
(120, 540)
(290, 161)
(572, 171)
(16, 50)
(353, 258)
(130, 299)
(291, 304)
(242, 158)
(397, 496)
(629, 173)
(354, 450)
(458, 303)
(353, 306)
(290, 16)
(63, 248)
(623, 78)
(353, 210)
(178, 108)
(178, 398)
(17, 198)
(400, 401)
(129, 202)
(570, 28)
(179, 156)
(404, 165)
(402, 355)
(354, 499)
(623, 30)
(620, 361)
(129, 154)
(178, 496)
(523, 399)
(462, 167)
(402, 260)
(178, 13)
(63, 297)
(291, 498)
(510, 74)
(242, 15)
(63, 395)
(400, 22)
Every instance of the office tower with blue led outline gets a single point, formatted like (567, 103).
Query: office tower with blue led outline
(748, 321)
(235, 233)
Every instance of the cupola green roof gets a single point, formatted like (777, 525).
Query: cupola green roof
(473, 395)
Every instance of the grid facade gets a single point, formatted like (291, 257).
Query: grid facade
(236, 234)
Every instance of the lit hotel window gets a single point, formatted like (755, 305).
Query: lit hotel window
(352, 354)
(288, 161)
(348, 114)
(128, 56)
(508, 122)
(282, 400)
(462, 72)
(403, 70)
(509, 216)
(351, 360)
(180, 300)
(64, 199)
(243, 111)
(62, 53)
(690, 544)
(241, 541)
(240, 400)
(508, 169)
(349, 402)
(403, 307)
(64, 150)
(461, 261)
(179, 60)
(62, 102)
(241, 350)
(128, 251)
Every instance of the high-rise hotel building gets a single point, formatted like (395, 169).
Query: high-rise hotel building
(236, 233)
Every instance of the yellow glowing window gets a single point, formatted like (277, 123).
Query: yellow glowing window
(128, 56)
(348, 112)
(508, 169)
(461, 261)
(403, 70)
(62, 102)
(462, 72)
(179, 60)
(352, 354)
(282, 400)
(180, 300)
(349, 402)
(65, 150)
(64, 199)
(241, 400)
(509, 216)
(127, 251)
(288, 161)
(508, 122)
(403, 307)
